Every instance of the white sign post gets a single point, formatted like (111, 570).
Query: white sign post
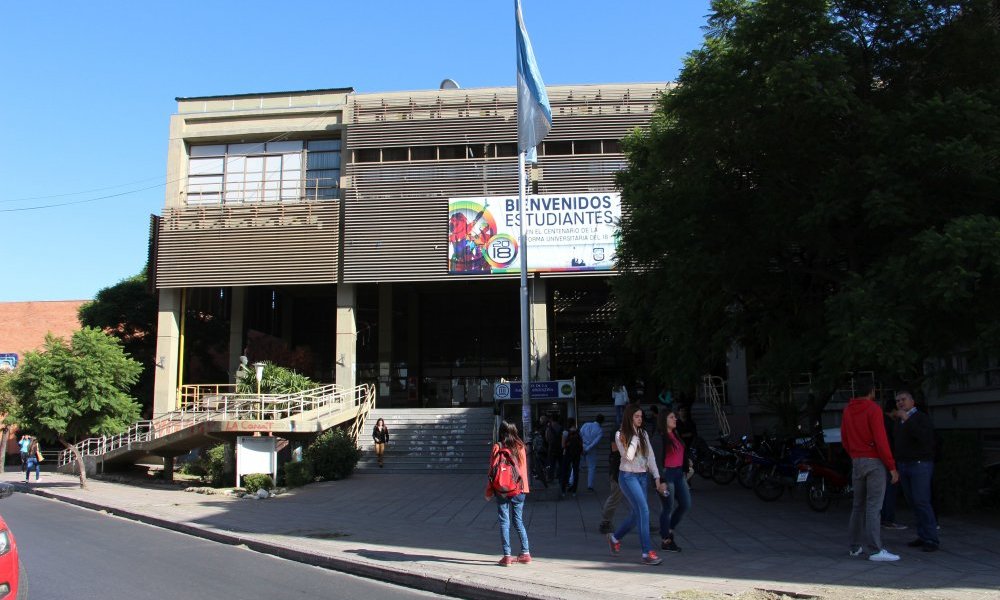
(256, 455)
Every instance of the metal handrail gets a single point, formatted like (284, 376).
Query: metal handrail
(365, 398)
(214, 402)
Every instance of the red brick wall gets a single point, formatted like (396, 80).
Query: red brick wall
(23, 325)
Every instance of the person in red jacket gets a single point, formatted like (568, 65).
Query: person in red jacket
(862, 432)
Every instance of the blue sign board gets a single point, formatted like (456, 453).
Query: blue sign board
(539, 390)
(8, 361)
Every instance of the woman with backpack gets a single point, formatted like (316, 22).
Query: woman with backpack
(508, 483)
(637, 463)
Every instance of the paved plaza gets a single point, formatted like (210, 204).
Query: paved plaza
(436, 532)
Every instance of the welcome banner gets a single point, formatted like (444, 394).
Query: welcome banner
(566, 232)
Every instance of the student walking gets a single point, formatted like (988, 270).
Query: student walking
(677, 486)
(615, 496)
(23, 446)
(591, 432)
(620, 397)
(34, 460)
(508, 461)
(381, 436)
(637, 463)
(569, 473)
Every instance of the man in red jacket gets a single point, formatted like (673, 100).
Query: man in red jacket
(863, 434)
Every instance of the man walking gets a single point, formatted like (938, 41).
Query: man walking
(863, 433)
(914, 437)
(591, 432)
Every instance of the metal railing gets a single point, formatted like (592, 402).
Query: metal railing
(714, 389)
(202, 403)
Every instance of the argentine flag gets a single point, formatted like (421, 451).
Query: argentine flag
(534, 115)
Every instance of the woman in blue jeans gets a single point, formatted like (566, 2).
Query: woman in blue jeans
(637, 464)
(514, 505)
(677, 485)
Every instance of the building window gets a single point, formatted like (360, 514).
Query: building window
(263, 172)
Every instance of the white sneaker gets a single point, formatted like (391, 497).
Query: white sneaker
(884, 555)
(855, 551)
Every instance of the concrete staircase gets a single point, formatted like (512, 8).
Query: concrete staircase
(456, 440)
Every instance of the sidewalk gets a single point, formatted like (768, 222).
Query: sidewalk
(435, 532)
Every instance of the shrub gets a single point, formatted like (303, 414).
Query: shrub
(210, 466)
(257, 481)
(334, 454)
(299, 473)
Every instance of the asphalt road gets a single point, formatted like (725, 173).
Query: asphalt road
(77, 554)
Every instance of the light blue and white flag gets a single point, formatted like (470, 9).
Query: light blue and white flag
(534, 115)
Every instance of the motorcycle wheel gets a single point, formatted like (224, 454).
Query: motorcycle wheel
(818, 497)
(746, 474)
(768, 486)
(704, 467)
(724, 471)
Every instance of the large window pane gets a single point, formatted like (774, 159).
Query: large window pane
(246, 148)
(206, 166)
(208, 150)
(291, 161)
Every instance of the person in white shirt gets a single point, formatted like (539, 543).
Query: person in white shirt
(591, 433)
(637, 464)
(620, 396)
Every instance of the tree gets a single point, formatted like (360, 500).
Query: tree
(8, 404)
(69, 391)
(821, 188)
(127, 311)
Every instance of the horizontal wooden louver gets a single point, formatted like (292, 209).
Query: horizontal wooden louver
(248, 245)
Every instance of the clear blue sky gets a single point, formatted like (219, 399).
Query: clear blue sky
(88, 89)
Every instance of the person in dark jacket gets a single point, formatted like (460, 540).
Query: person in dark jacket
(381, 436)
(914, 437)
(891, 489)
(615, 497)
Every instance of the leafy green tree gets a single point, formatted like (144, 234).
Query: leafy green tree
(821, 188)
(127, 311)
(69, 391)
(8, 405)
(275, 380)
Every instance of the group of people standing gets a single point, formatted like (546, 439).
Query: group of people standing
(875, 465)
(637, 458)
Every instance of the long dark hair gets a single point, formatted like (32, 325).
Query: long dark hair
(379, 422)
(670, 439)
(508, 438)
(629, 431)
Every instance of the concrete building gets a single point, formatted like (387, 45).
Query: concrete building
(366, 238)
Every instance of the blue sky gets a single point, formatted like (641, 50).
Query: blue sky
(88, 90)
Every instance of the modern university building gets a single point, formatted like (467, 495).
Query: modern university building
(372, 238)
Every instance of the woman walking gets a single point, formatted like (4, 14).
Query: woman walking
(677, 486)
(637, 463)
(510, 447)
(381, 436)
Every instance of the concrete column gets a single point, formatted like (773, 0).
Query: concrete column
(738, 389)
(384, 339)
(540, 363)
(413, 346)
(168, 468)
(236, 311)
(345, 370)
(167, 352)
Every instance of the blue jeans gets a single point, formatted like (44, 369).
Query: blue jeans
(677, 485)
(633, 487)
(32, 464)
(590, 459)
(619, 415)
(506, 506)
(915, 480)
(889, 503)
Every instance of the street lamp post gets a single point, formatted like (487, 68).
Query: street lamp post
(258, 368)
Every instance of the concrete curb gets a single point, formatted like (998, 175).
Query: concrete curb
(458, 587)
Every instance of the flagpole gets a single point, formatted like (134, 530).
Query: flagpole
(525, 336)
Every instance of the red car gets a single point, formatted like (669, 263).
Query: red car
(13, 583)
